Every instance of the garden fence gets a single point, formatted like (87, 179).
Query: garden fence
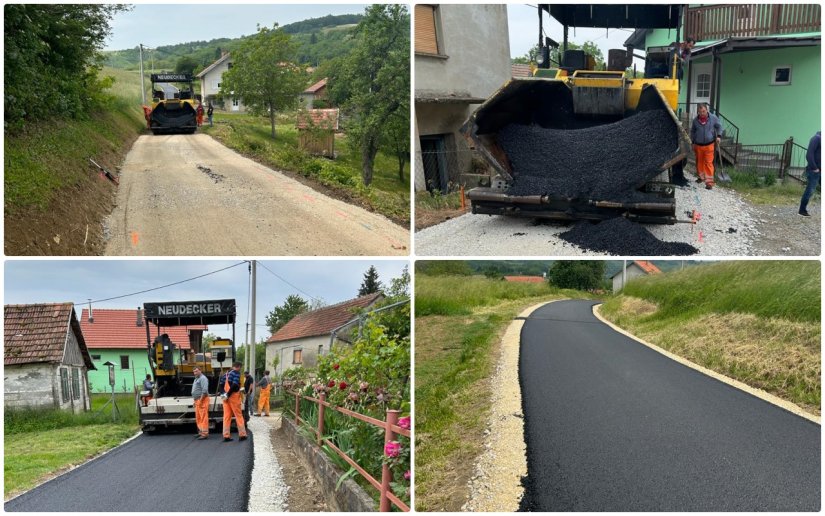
(391, 431)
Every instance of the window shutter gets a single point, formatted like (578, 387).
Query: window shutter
(425, 39)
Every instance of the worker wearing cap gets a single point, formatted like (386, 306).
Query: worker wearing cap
(263, 400)
(232, 403)
(705, 134)
(200, 395)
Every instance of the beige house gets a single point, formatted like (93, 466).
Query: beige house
(309, 335)
(211, 78)
(317, 91)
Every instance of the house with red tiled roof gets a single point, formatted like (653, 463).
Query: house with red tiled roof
(45, 359)
(309, 335)
(119, 336)
(315, 92)
(525, 279)
(635, 269)
(520, 71)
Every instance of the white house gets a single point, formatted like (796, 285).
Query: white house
(317, 91)
(309, 335)
(635, 269)
(211, 78)
(45, 358)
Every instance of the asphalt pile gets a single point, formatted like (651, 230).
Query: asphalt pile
(606, 162)
(621, 237)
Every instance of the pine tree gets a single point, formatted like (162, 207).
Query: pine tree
(371, 284)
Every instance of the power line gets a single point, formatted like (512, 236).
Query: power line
(290, 284)
(161, 287)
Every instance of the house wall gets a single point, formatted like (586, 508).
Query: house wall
(30, 385)
(125, 379)
(73, 357)
(309, 347)
(633, 271)
(210, 88)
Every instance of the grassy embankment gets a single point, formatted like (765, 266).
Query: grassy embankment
(251, 136)
(41, 443)
(756, 322)
(432, 209)
(52, 194)
(764, 190)
(458, 326)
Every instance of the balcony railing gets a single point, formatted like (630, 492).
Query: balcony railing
(749, 20)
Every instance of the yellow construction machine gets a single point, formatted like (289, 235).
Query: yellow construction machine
(174, 108)
(572, 96)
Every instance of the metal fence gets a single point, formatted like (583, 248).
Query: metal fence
(786, 160)
(391, 432)
(748, 20)
(446, 171)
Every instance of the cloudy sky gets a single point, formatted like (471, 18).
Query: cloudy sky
(157, 24)
(40, 281)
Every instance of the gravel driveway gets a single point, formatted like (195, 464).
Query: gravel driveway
(727, 226)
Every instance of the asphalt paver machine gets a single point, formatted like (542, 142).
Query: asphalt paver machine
(172, 366)
(174, 108)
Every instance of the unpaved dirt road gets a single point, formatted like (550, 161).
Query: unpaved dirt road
(189, 195)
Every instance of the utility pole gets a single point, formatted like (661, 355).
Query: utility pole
(624, 272)
(142, 84)
(252, 322)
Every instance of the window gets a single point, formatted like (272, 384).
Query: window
(297, 356)
(320, 350)
(781, 76)
(426, 38)
(216, 85)
(236, 102)
(703, 85)
(64, 384)
(229, 66)
(75, 384)
(95, 357)
(124, 361)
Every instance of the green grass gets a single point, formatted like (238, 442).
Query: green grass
(755, 321)
(458, 324)
(44, 157)
(251, 136)
(764, 190)
(40, 443)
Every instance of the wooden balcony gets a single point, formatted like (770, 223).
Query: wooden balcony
(749, 20)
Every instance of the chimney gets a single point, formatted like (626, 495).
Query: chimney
(139, 320)
(91, 317)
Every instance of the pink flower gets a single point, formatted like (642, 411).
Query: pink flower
(392, 449)
(353, 396)
(363, 386)
(404, 422)
(407, 475)
(342, 385)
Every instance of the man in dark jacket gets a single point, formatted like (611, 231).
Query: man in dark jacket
(232, 403)
(249, 392)
(813, 171)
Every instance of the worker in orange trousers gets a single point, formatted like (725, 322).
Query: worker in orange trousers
(263, 400)
(200, 397)
(706, 135)
(232, 403)
(199, 112)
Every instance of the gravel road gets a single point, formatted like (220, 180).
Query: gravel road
(612, 425)
(189, 195)
(728, 226)
(152, 473)
(268, 490)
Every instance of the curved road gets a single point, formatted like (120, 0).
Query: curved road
(152, 473)
(612, 425)
(188, 195)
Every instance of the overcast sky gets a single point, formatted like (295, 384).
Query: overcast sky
(157, 24)
(523, 23)
(39, 281)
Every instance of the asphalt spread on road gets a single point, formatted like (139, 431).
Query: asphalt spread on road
(612, 425)
(170, 472)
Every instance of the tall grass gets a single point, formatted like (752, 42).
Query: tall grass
(783, 289)
(21, 421)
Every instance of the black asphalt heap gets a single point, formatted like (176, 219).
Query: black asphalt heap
(605, 163)
(153, 473)
(621, 237)
(611, 425)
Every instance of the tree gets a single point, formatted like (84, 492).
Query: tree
(377, 75)
(397, 140)
(371, 283)
(264, 74)
(260, 357)
(400, 286)
(443, 268)
(530, 57)
(207, 340)
(280, 315)
(579, 275)
(589, 48)
(185, 64)
(313, 39)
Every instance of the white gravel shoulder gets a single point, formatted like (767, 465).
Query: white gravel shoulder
(726, 226)
(268, 491)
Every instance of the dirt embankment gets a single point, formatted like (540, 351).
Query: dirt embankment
(55, 199)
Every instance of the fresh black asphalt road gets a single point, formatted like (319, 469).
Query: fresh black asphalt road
(152, 473)
(612, 425)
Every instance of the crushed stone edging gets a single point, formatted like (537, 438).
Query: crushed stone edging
(267, 490)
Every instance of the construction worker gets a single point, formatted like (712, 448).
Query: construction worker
(146, 395)
(232, 403)
(705, 134)
(209, 113)
(199, 112)
(200, 395)
(249, 393)
(263, 401)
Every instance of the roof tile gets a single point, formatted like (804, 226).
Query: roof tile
(117, 329)
(37, 333)
(323, 320)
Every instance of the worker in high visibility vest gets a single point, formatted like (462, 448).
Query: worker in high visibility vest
(263, 400)
(232, 403)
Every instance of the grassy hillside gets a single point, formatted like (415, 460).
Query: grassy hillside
(46, 163)
(755, 321)
(458, 326)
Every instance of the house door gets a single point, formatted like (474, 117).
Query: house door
(236, 104)
(434, 159)
(701, 86)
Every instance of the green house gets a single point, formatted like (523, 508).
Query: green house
(758, 66)
(119, 336)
